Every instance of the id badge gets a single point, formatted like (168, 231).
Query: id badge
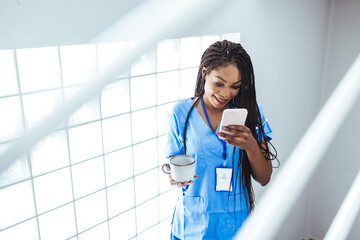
(223, 179)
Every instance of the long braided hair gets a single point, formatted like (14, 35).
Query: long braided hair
(222, 54)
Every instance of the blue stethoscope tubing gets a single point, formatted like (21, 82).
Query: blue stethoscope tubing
(207, 117)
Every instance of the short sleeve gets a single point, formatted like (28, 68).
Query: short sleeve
(265, 125)
(174, 146)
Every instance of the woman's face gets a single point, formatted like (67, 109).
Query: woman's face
(221, 86)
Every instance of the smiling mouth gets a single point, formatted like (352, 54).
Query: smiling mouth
(221, 101)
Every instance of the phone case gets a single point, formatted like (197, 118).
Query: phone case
(233, 117)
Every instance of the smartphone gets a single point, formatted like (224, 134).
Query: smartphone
(233, 117)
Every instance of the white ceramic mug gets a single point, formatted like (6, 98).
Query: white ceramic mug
(181, 168)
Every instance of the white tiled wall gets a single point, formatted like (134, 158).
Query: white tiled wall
(98, 176)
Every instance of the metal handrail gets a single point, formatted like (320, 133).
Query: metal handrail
(346, 215)
(160, 17)
(286, 187)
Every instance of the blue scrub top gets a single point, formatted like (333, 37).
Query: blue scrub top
(201, 212)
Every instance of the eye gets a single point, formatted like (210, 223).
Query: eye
(236, 87)
(218, 84)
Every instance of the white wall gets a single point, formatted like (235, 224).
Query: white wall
(286, 40)
(287, 44)
(341, 164)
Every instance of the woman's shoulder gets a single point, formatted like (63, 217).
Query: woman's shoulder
(182, 106)
(260, 106)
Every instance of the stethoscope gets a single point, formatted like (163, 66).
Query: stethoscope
(167, 166)
(187, 122)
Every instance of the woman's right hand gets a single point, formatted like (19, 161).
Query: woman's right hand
(181, 184)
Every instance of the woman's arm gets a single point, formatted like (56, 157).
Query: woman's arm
(261, 169)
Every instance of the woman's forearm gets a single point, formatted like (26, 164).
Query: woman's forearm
(261, 168)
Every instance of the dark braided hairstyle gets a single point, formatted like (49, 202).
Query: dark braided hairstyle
(222, 54)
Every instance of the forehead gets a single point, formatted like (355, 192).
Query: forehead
(229, 73)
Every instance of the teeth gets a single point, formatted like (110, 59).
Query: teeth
(221, 101)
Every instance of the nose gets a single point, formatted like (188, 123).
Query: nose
(225, 93)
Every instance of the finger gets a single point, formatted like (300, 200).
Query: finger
(236, 129)
(181, 184)
(238, 136)
(234, 143)
(226, 136)
(223, 135)
(241, 128)
(189, 182)
(172, 181)
(176, 183)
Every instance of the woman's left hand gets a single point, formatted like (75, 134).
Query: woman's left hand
(240, 136)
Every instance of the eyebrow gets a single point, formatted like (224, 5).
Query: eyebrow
(225, 80)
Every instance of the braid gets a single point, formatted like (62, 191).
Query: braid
(222, 54)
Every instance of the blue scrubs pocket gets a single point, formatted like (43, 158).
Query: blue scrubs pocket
(195, 220)
(190, 218)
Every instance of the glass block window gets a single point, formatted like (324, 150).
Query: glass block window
(52, 190)
(98, 175)
(90, 111)
(78, 63)
(11, 124)
(190, 52)
(50, 153)
(8, 73)
(17, 204)
(58, 224)
(39, 68)
(38, 106)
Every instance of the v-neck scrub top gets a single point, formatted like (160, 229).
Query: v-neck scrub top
(202, 212)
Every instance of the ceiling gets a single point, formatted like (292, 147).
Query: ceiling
(30, 23)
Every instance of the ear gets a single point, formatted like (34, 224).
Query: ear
(203, 71)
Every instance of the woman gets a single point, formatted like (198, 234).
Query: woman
(225, 80)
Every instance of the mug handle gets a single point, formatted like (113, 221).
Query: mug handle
(166, 168)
